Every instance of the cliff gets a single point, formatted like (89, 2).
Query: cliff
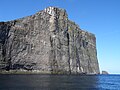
(47, 42)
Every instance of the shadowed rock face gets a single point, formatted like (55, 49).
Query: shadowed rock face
(47, 42)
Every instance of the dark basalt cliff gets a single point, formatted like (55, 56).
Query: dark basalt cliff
(47, 42)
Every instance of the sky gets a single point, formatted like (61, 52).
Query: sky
(101, 17)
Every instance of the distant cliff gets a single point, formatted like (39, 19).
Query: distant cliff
(47, 42)
(104, 72)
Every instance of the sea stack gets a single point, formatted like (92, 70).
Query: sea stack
(47, 42)
(105, 72)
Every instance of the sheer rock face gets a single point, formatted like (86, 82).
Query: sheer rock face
(48, 42)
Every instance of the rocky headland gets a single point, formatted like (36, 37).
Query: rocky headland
(49, 43)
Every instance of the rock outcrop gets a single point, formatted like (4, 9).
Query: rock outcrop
(105, 72)
(47, 42)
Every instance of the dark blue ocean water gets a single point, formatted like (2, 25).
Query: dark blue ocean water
(59, 82)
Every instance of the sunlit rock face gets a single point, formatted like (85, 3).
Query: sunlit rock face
(47, 42)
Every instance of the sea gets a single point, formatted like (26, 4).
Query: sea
(59, 82)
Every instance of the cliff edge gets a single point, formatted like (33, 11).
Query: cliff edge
(47, 42)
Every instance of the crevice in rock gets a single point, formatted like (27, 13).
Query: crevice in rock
(77, 60)
(68, 53)
(89, 62)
